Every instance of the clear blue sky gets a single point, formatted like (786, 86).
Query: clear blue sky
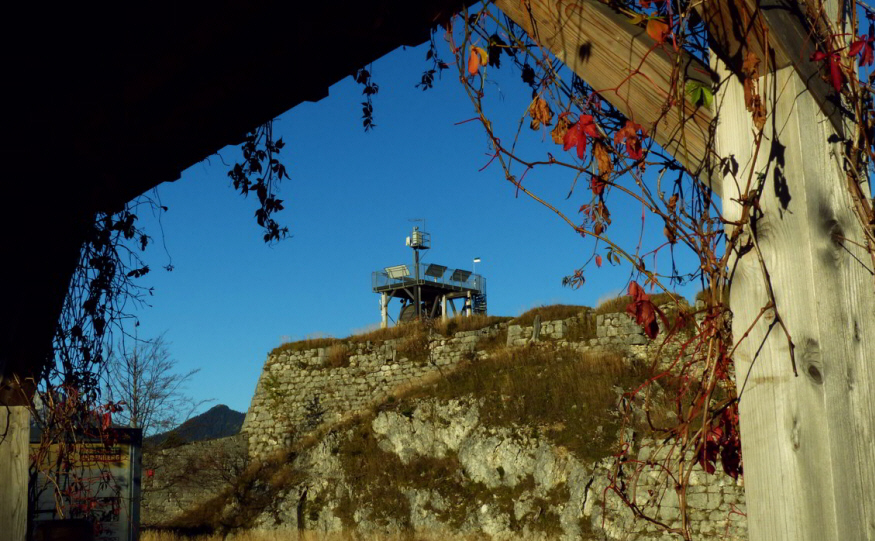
(231, 298)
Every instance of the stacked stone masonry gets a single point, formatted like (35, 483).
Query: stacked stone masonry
(180, 478)
(299, 391)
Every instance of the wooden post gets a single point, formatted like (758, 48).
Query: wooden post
(384, 310)
(808, 441)
(14, 446)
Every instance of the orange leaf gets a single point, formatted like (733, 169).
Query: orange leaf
(598, 261)
(558, 133)
(473, 62)
(657, 30)
(629, 134)
(603, 158)
(540, 112)
(478, 58)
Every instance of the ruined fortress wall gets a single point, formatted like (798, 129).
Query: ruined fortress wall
(179, 478)
(299, 391)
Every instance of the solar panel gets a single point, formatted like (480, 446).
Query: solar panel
(435, 271)
(398, 271)
(460, 275)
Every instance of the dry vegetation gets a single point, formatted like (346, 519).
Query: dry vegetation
(571, 396)
(404, 330)
(560, 394)
(565, 396)
(304, 536)
(550, 313)
(619, 304)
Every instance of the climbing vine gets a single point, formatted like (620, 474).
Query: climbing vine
(613, 161)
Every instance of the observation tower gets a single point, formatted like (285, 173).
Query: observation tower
(427, 293)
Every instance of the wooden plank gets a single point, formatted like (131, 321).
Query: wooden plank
(14, 437)
(626, 66)
(776, 31)
(807, 441)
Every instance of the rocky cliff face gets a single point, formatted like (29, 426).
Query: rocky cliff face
(507, 432)
(440, 468)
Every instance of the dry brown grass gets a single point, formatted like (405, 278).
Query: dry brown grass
(549, 313)
(461, 323)
(307, 343)
(568, 392)
(305, 536)
(402, 330)
(619, 304)
(337, 356)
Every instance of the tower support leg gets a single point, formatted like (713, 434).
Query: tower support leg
(444, 308)
(384, 311)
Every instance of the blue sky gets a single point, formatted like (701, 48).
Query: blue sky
(349, 203)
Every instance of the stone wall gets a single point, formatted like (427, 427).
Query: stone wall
(436, 466)
(178, 479)
(299, 391)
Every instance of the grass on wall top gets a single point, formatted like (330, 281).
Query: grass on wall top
(549, 313)
(403, 330)
(619, 304)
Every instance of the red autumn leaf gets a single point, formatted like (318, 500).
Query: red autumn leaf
(597, 185)
(643, 310)
(707, 456)
(836, 77)
(868, 56)
(576, 135)
(657, 30)
(629, 134)
(598, 261)
(863, 46)
(588, 126)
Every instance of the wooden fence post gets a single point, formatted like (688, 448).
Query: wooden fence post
(808, 441)
(14, 452)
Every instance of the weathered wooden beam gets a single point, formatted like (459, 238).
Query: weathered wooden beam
(807, 440)
(14, 453)
(628, 69)
(779, 34)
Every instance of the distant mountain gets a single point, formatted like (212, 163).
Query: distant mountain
(217, 422)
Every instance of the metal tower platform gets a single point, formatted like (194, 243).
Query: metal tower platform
(428, 293)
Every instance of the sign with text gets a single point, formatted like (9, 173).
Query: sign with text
(83, 478)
